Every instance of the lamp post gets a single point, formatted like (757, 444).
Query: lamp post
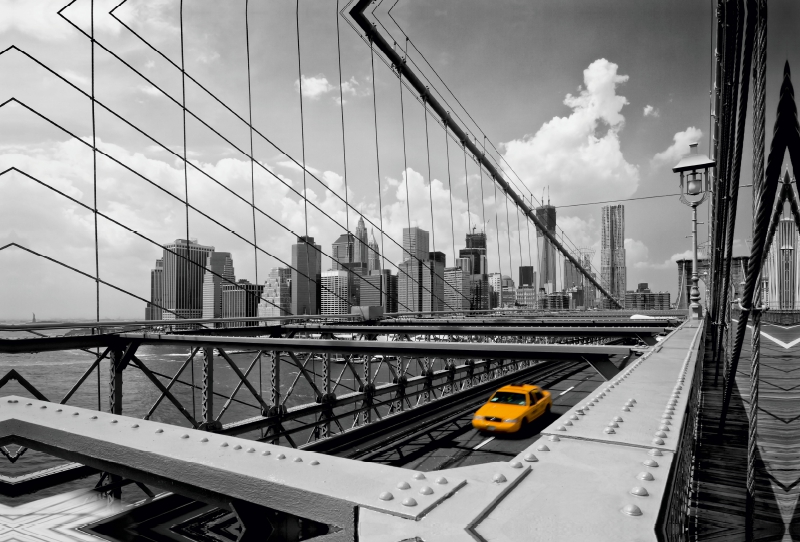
(693, 168)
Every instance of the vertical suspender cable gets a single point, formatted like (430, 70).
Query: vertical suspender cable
(309, 246)
(466, 184)
(450, 189)
(341, 109)
(377, 158)
(94, 190)
(250, 129)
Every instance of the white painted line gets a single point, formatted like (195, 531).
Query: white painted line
(565, 391)
(773, 339)
(484, 443)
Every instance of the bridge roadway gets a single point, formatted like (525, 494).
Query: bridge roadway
(582, 480)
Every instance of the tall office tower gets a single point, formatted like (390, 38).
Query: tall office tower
(612, 256)
(415, 243)
(495, 289)
(343, 251)
(306, 274)
(374, 256)
(379, 289)
(456, 287)
(547, 251)
(433, 282)
(782, 264)
(589, 289)
(277, 295)
(240, 300)
(153, 309)
(409, 286)
(361, 249)
(572, 277)
(527, 276)
(220, 265)
(184, 270)
(475, 251)
(340, 291)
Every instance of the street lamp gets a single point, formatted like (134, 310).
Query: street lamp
(694, 171)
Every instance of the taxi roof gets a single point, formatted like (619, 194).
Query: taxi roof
(519, 387)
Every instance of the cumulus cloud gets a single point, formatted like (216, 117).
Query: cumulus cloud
(678, 149)
(355, 89)
(313, 87)
(650, 111)
(579, 156)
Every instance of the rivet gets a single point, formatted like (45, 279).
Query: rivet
(632, 401)
(568, 423)
(543, 448)
(574, 417)
(661, 434)
(646, 476)
(628, 404)
(613, 424)
(553, 438)
(386, 496)
(516, 465)
(561, 428)
(498, 478)
(632, 510)
(530, 458)
(609, 430)
(665, 421)
(673, 401)
(134, 426)
(408, 501)
(93, 418)
(617, 418)
(298, 459)
(43, 406)
(594, 400)
(658, 441)
(280, 456)
(663, 427)
(580, 411)
(403, 485)
(441, 480)
(204, 439)
(667, 415)
(114, 421)
(223, 445)
(639, 491)
(419, 476)
(650, 463)
(625, 409)
(184, 436)
(265, 452)
(28, 404)
(425, 490)
(58, 410)
(679, 387)
(75, 413)
(607, 389)
(315, 463)
(237, 447)
(251, 450)
(655, 451)
(601, 394)
(159, 430)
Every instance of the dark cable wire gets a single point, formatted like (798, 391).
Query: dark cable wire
(307, 242)
(341, 108)
(185, 170)
(377, 161)
(450, 190)
(250, 131)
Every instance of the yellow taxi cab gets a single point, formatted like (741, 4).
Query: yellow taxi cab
(512, 407)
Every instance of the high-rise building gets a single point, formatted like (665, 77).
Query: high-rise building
(240, 300)
(612, 256)
(547, 251)
(306, 274)
(415, 243)
(781, 271)
(527, 276)
(153, 309)
(374, 256)
(433, 282)
(526, 297)
(184, 271)
(343, 251)
(361, 247)
(219, 267)
(379, 289)
(277, 294)
(475, 252)
(456, 287)
(572, 277)
(340, 291)
(409, 286)
(644, 299)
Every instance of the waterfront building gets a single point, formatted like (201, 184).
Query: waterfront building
(379, 289)
(240, 300)
(526, 297)
(306, 274)
(527, 276)
(433, 282)
(547, 251)
(456, 286)
(184, 271)
(277, 295)
(153, 309)
(219, 271)
(613, 271)
(340, 291)
(644, 299)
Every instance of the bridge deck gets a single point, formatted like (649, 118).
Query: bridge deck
(721, 475)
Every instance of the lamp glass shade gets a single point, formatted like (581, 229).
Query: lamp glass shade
(694, 184)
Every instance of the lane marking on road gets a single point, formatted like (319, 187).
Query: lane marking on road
(566, 390)
(484, 443)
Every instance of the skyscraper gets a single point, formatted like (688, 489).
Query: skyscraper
(379, 289)
(433, 282)
(475, 252)
(153, 309)
(527, 277)
(342, 251)
(221, 266)
(340, 291)
(184, 271)
(277, 294)
(547, 251)
(412, 269)
(240, 300)
(415, 243)
(306, 275)
(612, 257)
(361, 248)
(456, 287)
(374, 256)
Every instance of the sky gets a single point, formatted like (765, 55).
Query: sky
(584, 101)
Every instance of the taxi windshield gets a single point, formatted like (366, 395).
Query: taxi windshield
(508, 398)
